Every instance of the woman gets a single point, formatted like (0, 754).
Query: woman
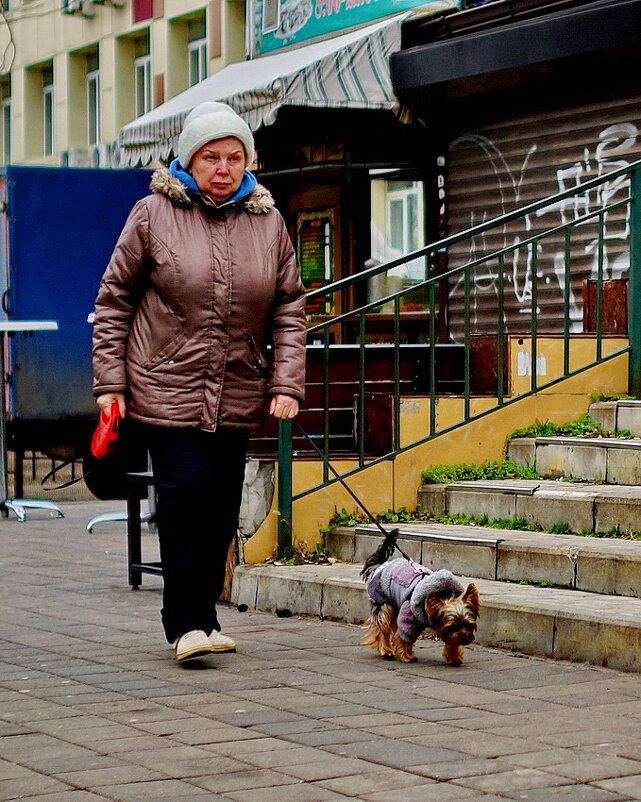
(202, 280)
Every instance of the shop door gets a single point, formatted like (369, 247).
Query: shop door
(316, 231)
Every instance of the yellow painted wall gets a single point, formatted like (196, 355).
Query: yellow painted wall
(394, 483)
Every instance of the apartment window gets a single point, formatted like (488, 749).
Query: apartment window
(48, 112)
(142, 72)
(93, 99)
(5, 127)
(197, 50)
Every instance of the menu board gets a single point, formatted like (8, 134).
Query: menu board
(315, 250)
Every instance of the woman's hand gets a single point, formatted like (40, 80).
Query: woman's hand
(105, 401)
(283, 407)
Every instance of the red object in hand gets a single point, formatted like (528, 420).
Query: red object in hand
(104, 438)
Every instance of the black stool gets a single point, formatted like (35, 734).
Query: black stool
(136, 567)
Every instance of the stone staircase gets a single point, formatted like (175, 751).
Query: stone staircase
(566, 596)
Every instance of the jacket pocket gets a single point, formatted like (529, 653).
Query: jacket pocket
(167, 350)
(258, 361)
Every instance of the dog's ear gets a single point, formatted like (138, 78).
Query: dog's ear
(432, 604)
(471, 599)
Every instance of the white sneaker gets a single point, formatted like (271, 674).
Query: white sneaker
(192, 644)
(221, 643)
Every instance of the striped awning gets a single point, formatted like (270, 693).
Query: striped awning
(349, 71)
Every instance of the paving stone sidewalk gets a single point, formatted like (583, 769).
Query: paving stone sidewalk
(92, 705)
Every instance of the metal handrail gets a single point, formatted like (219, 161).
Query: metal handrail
(473, 231)
(531, 246)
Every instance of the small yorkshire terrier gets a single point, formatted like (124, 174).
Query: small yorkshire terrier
(407, 598)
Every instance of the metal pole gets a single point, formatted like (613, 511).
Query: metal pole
(285, 454)
(634, 326)
(4, 473)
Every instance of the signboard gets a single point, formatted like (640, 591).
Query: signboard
(315, 251)
(281, 23)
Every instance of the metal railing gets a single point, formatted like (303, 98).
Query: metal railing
(496, 248)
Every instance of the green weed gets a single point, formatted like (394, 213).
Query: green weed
(560, 529)
(583, 427)
(505, 469)
(596, 398)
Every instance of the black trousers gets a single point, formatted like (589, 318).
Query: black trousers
(199, 481)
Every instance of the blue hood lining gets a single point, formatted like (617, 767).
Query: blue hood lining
(247, 185)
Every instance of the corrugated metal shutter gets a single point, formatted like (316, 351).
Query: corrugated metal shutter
(517, 161)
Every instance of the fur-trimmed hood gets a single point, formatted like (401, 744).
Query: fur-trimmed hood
(164, 182)
(441, 581)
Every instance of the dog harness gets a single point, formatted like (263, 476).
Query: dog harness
(406, 585)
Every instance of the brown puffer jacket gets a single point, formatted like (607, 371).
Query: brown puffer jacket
(190, 300)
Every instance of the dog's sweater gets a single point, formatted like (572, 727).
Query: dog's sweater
(406, 585)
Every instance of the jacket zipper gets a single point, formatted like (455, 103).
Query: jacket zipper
(258, 362)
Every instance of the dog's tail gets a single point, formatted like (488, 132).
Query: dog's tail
(382, 554)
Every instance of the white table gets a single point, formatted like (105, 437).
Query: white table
(17, 505)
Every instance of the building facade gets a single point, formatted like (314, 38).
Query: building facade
(73, 72)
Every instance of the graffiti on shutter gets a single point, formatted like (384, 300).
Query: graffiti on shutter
(518, 161)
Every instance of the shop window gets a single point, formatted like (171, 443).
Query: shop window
(398, 228)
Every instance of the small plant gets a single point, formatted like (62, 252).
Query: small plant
(512, 523)
(505, 469)
(596, 398)
(583, 427)
(299, 555)
(343, 518)
(396, 516)
(543, 583)
(559, 529)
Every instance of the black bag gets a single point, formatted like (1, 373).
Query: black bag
(106, 477)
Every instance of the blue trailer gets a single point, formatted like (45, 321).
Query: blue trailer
(59, 227)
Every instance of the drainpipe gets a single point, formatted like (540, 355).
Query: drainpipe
(634, 301)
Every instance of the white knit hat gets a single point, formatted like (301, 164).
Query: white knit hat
(210, 121)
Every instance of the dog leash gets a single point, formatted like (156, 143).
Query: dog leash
(389, 544)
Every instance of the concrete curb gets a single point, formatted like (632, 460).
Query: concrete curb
(617, 415)
(611, 460)
(540, 502)
(561, 624)
(597, 565)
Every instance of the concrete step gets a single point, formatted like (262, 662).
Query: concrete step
(615, 416)
(561, 624)
(609, 566)
(541, 502)
(593, 459)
